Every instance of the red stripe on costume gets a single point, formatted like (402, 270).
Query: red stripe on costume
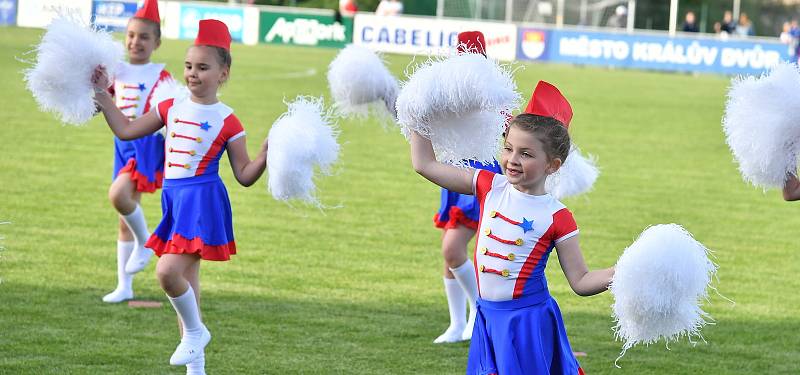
(535, 256)
(164, 75)
(517, 242)
(182, 245)
(230, 127)
(141, 182)
(504, 218)
(187, 122)
(482, 185)
(163, 109)
(129, 106)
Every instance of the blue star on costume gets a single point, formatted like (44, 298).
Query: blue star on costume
(142, 87)
(205, 126)
(526, 225)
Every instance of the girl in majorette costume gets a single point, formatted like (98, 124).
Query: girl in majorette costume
(138, 164)
(519, 329)
(196, 221)
(458, 218)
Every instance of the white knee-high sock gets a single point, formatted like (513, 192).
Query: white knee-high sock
(465, 275)
(186, 307)
(124, 288)
(137, 224)
(455, 302)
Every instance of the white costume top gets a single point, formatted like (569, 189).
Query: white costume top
(517, 232)
(133, 86)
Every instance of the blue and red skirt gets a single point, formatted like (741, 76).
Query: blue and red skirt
(521, 336)
(196, 219)
(143, 159)
(461, 209)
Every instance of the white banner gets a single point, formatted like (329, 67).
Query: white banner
(416, 35)
(39, 13)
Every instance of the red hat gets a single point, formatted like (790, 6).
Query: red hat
(149, 11)
(472, 42)
(547, 101)
(213, 33)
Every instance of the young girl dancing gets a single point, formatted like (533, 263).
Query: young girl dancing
(519, 329)
(138, 164)
(196, 221)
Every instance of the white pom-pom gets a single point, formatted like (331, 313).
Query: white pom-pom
(168, 88)
(762, 125)
(60, 79)
(301, 141)
(575, 177)
(458, 103)
(360, 83)
(659, 283)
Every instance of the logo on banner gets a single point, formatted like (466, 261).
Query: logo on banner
(306, 31)
(533, 43)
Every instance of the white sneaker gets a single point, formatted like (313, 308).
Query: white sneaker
(190, 348)
(453, 334)
(467, 334)
(197, 367)
(138, 260)
(118, 295)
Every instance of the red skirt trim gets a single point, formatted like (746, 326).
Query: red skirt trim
(181, 245)
(140, 181)
(456, 217)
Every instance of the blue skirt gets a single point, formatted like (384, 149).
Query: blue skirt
(461, 209)
(522, 336)
(196, 219)
(143, 158)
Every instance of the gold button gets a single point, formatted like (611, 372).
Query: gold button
(505, 273)
(518, 241)
(172, 134)
(482, 267)
(493, 213)
(199, 140)
(175, 120)
(484, 250)
(487, 231)
(191, 152)
(511, 256)
(187, 166)
(170, 149)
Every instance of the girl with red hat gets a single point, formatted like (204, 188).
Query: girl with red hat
(458, 218)
(196, 222)
(138, 164)
(519, 329)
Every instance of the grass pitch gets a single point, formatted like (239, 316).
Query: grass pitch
(358, 289)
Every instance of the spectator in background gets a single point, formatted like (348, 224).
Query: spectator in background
(690, 23)
(789, 40)
(389, 8)
(727, 25)
(348, 7)
(745, 27)
(619, 19)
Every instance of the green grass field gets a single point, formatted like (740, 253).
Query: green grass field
(358, 289)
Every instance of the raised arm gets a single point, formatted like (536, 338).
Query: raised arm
(446, 176)
(122, 127)
(791, 189)
(582, 281)
(245, 170)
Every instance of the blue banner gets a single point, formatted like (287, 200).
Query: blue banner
(8, 12)
(113, 15)
(650, 51)
(192, 14)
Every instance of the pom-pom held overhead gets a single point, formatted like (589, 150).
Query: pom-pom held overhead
(301, 141)
(459, 104)
(762, 125)
(575, 177)
(60, 78)
(360, 83)
(659, 282)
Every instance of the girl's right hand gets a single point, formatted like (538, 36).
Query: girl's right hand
(100, 79)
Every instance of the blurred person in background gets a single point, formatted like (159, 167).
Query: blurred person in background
(727, 25)
(745, 27)
(619, 19)
(389, 8)
(690, 23)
